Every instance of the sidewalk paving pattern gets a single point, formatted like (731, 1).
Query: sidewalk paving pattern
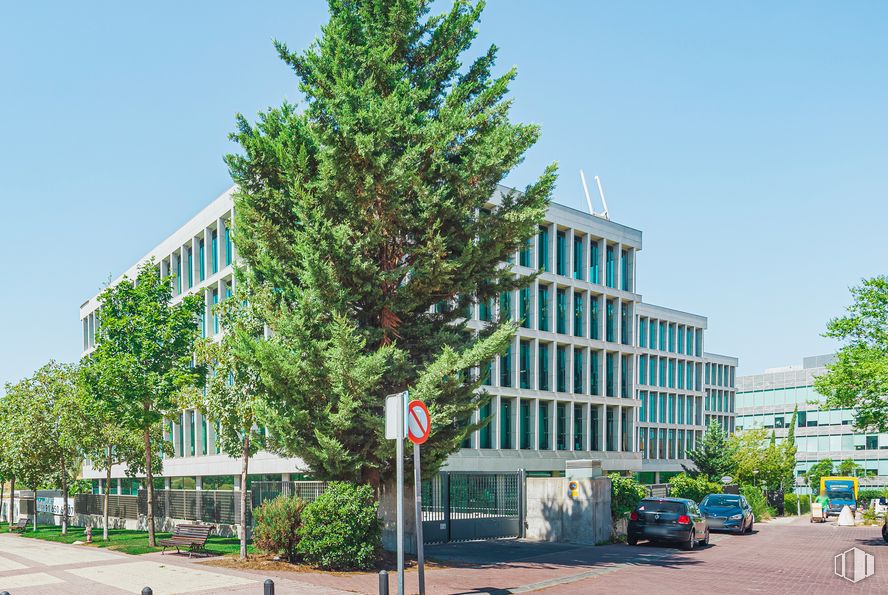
(783, 556)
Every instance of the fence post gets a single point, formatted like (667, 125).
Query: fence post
(445, 489)
(268, 587)
(522, 501)
(383, 583)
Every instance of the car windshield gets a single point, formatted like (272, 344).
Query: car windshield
(721, 501)
(661, 506)
(839, 495)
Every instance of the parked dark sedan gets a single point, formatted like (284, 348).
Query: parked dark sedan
(727, 512)
(668, 519)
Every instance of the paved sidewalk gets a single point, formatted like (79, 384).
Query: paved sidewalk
(33, 566)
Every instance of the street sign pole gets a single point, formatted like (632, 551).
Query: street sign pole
(417, 490)
(399, 450)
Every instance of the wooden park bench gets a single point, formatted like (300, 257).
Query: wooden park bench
(194, 537)
(21, 525)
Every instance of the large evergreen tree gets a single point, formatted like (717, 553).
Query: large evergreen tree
(362, 212)
(713, 454)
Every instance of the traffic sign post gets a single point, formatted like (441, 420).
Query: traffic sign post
(394, 430)
(418, 427)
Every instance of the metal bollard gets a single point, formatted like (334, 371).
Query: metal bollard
(147, 591)
(4, 593)
(383, 582)
(268, 587)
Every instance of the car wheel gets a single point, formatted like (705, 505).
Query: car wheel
(689, 544)
(632, 540)
(885, 532)
(706, 538)
(750, 527)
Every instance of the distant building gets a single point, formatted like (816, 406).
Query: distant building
(767, 401)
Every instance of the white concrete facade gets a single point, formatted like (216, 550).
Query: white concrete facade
(566, 389)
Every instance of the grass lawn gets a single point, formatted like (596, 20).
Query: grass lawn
(123, 540)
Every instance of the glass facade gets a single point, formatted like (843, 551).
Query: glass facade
(543, 299)
(543, 249)
(561, 254)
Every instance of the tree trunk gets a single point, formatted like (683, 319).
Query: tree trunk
(35, 508)
(2, 488)
(107, 497)
(11, 501)
(243, 511)
(64, 472)
(149, 480)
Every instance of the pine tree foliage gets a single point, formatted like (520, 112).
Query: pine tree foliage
(360, 212)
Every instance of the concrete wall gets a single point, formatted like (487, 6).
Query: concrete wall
(554, 515)
(388, 509)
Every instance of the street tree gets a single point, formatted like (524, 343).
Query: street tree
(848, 468)
(366, 224)
(142, 362)
(233, 390)
(822, 468)
(106, 441)
(858, 378)
(712, 455)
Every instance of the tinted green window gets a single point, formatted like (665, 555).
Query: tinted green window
(662, 336)
(181, 452)
(561, 369)
(218, 482)
(663, 371)
(561, 254)
(610, 322)
(543, 296)
(227, 246)
(215, 312)
(544, 425)
(578, 370)
(594, 317)
(524, 422)
(485, 310)
(561, 312)
(524, 307)
(642, 410)
(203, 260)
(579, 298)
(214, 257)
(611, 375)
(642, 369)
(594, 429)
(594, 266)
(625, 272)
(642, 332)
(625, 324)
(652, 402)
(672, 409)
(653, 328)
(681, 339)
(672, 373)
(484, 440)
(524, 255)
(578, 427)
(681, 409)
(506, 305)
(625, 379)
(179, 274)
(578, 258)
(524, 371)
(505, 423)
(506, 367)
(609, 266)
(662, 407)
(544, 366)
(561, 426)
(681, 374)
(487, 374)
(671, 338)
(543, 249)
(594, 386)
(190, 253)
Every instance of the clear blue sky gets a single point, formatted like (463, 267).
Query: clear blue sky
(746, 140)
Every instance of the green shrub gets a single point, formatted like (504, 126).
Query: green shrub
(693, 488)
(790, 502)
(870, 494)
(757, 501)
(340, 530)
(625, 495)
(869, 516)
(277, 526)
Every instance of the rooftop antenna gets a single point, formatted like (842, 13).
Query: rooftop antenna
(604, 213)
(603, 200)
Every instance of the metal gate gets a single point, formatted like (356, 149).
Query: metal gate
(466, 506)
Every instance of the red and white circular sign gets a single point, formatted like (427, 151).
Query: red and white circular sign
(419, 422)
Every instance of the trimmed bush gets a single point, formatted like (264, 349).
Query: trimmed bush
(340, 530)
(277, 526)
(693, 488)
(757, 501)
(790, 501)
(625, 495)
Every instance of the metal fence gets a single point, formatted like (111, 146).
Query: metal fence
(208, 506)
(268, 490)
(463, 506)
